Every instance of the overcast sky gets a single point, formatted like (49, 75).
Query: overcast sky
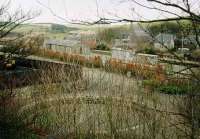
(84, 9)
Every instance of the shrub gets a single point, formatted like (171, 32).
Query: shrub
(106, 35)
(114, 65)
(149, 51)
(174, 89)
(196, 54)
(167, 87)
(151, 84)
(102, 46)
(140, 70)
(95, 61)
(160, 74)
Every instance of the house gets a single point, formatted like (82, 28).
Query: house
(133, 38)
(66, 46)
(163, 40)
(190, 41)
(122, 43)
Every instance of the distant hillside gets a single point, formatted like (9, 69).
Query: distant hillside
(57, 28)
(50, 30)
(44, 28)
(23, 28)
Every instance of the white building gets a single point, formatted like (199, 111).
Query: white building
(66, 46)
(163, 40)
(121, 54)
(190, 40)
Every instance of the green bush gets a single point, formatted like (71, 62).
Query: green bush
(149, 51)
(152, 83)
(103, 47)
(107, 35)
(174, 89)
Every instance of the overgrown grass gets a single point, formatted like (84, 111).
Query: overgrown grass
(100, 104)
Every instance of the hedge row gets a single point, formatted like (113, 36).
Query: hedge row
(112, 65)
(94, 61)
(140, 70)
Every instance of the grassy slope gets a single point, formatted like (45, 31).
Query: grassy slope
(43, 29)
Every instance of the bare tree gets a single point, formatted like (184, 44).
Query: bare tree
(12, 45)
(10, 41)
(178, 11)
(189, 107)
(186, 120)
